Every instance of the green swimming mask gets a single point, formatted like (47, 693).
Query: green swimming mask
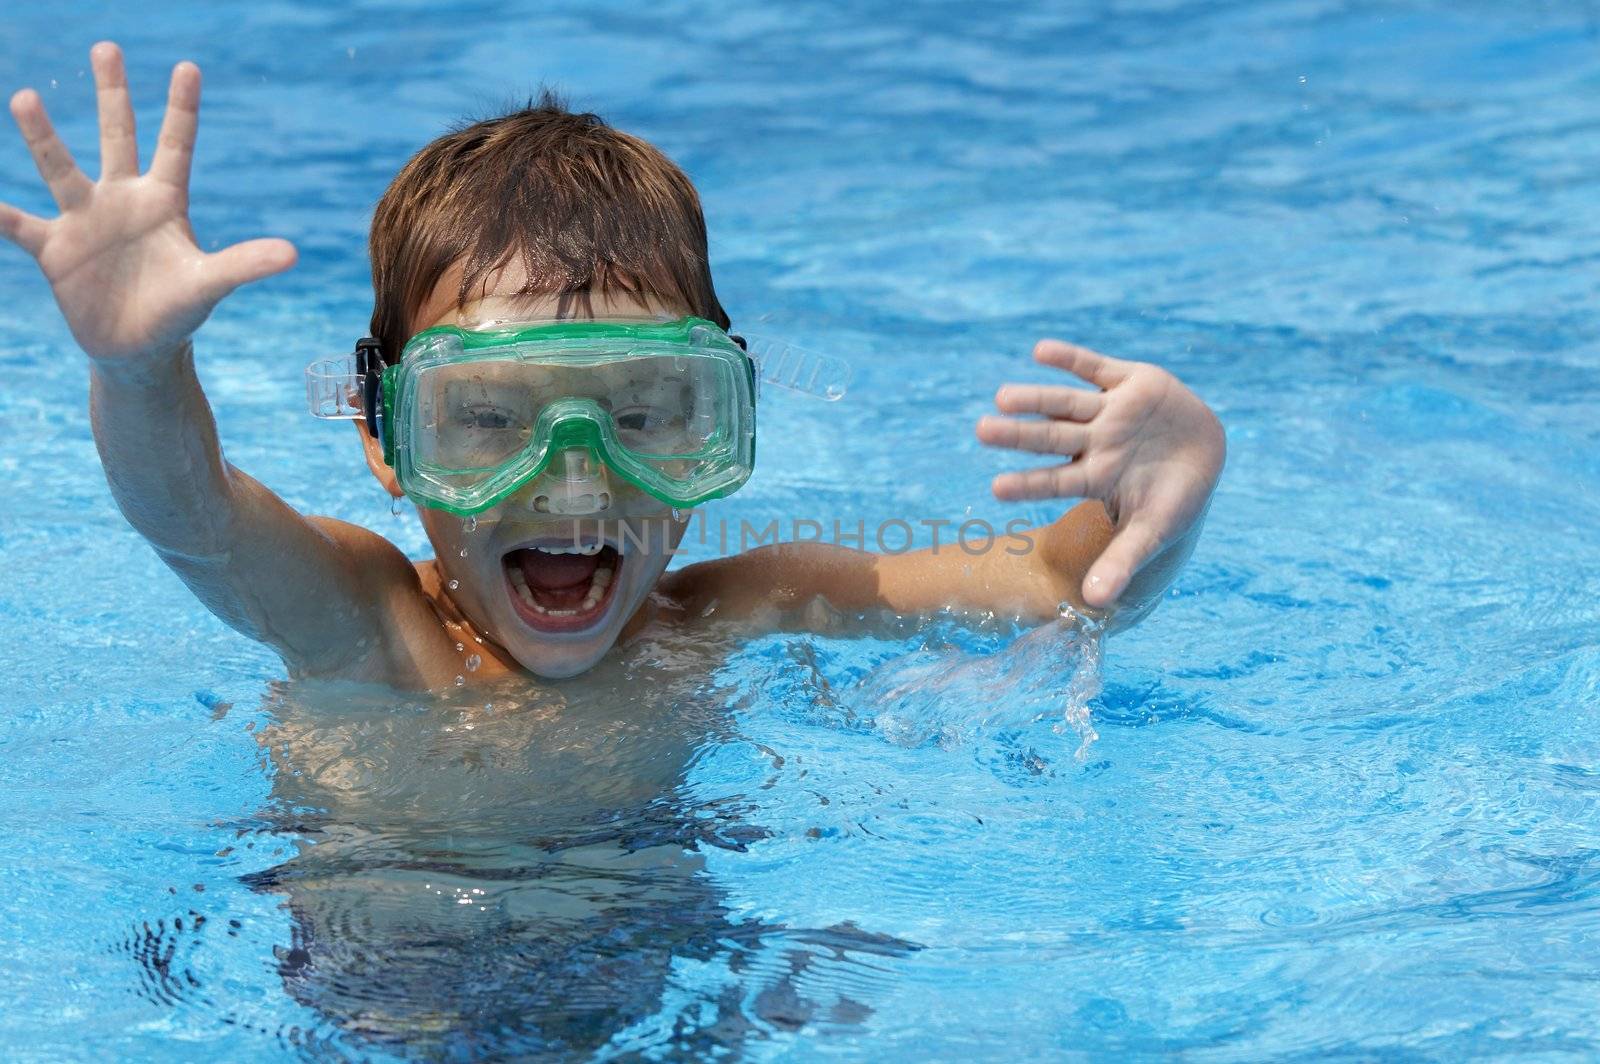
(469, 417)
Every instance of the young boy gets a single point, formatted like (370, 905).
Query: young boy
(552, 465)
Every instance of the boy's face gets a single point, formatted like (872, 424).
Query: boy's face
(513, 571)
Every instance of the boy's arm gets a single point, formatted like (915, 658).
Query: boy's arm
(1032, 574)
(1027, 575)
(1144, 447)
(133, 287)
(316, 590)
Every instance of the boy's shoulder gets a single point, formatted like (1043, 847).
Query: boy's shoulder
(410, 635)
(757, 587)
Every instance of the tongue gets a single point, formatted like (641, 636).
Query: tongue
(557, 572)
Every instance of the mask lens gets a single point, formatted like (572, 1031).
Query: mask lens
(474, 416)
(667, 406)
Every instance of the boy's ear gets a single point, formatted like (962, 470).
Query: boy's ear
(374, 452)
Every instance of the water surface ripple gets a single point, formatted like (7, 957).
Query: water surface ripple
(1337, 797)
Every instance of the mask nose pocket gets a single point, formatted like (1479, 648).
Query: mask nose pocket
(574, 484)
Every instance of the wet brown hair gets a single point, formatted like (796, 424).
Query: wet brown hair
(587, 208)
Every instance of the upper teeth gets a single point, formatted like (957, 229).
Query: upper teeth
(587, 548)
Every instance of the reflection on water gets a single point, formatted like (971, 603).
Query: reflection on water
(520, 873)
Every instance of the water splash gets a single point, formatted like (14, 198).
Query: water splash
(951, 698)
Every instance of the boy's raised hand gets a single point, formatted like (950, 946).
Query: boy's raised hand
(1144, 445)
(121, 257)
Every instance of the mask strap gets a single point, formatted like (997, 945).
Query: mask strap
(369, 365)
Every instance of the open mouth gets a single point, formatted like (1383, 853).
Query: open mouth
(562, 588)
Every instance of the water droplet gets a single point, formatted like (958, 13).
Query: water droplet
(454, 584)
(463, 552)
(460, 647)
(477, 639)
(395, 504)
(472, 525)
(472, 664)
(461, 681)
(677, 514)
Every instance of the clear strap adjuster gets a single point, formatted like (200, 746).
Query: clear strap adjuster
(781, 364)
(333, 389)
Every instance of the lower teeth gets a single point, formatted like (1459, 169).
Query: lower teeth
(597, 590)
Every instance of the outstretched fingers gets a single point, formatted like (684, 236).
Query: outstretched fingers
(69, 185)
(1082, 362)
(250, 261)
(119, 147)
(175, 146)
(1041, 437)
(1069, 481)
(23, 229)
(1132, 545)
(1051, 400)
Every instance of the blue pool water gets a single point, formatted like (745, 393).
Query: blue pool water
(1339, 795)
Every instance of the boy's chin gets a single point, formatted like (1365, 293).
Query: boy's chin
(561, 666)
(553, 656)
